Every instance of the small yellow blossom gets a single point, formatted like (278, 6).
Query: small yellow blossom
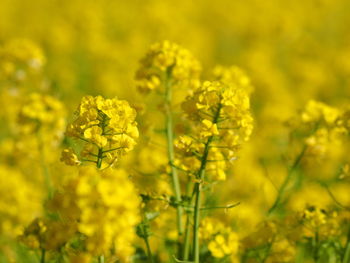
(167, 58)
(103, 206)
(222, 241)
(108, 128)
(19, 58)
(220, 115)
(42, 114)
(209, 129)
(69, 157)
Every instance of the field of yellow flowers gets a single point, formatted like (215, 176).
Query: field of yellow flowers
(163, 131)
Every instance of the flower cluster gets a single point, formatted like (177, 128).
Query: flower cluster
(108, 128)
(167, 58)
(270, 241)
(18, 58)
(325, 126)
(164, 202)
(318, 112)
(42, 114)
(320, 222)
(38, 127)
(19, 202)
(104, 207)
(94, 211)
(234, 76)
(97, 207)
(48, 234)
(221, 240)
(220, 114)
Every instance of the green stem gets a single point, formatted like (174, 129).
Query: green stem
(99, 158)
(143, 231)
(187, 242)
(149, 251)
(346, 258)
(316, 246)
(221, 207)
(198, 192)
(286, 181)
(267, 253)
(44, 167)
(43, 254)
(187, 239)
(347, 254)
(100, 149)
(171, 154)
(101, 258)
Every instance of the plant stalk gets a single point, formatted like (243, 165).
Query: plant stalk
(286, 181)
(187, 239)
(149, 251)
(198, 193)
(43, 255)
(171, 154)
(99, 158)
(346, 258)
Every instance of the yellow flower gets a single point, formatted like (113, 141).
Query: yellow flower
(80, 258)
(208, 129)
(324, 126)
(108, 128)
(69, 157)
(20, 202)
(282, 250)
(219, 114)
(233, 75)
(222, 241)
(94, 134)
(315, 217)
(44, 115)
(104, 207)
(317, 111)
(167, 58)
(19, 58)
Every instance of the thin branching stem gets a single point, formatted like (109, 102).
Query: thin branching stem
(346, 257)
(113, 149)
(43, 255)
(187, 239)
(170, 146)
(282, 189)
(149, 251)
(198, 192)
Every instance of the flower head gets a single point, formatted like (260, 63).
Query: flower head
(167, 58)
(108, 128)
(219, 114)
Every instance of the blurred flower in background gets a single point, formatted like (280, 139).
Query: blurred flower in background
(291, 58)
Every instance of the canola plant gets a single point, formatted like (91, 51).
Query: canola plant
(162, 131)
